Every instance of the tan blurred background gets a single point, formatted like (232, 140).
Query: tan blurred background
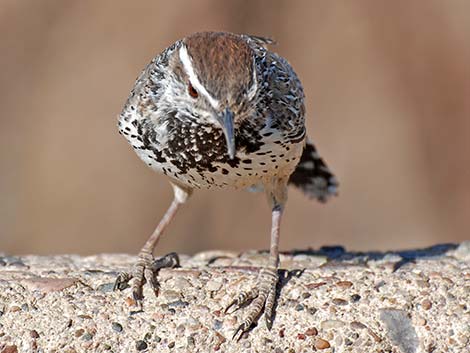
(388, 101)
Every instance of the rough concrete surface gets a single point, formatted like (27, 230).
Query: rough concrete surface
(330, 301)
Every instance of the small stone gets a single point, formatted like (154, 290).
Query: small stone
(358, 325)
(180, 329)
(421, 321)
(87, 336)
(14, 309)
(157, 339)
(34, 334)
(217, 324)
(193, 324)
(79, 332)
(116, 326)
(315, 285)
(48, 284)
(344, 284)
(312, 331)
(181, 284)
(140, 345)
(423, 284)
(312, 311)
(321, 344)
(106, 287)
(339, 301)
(355, 298)
(10, 349)
(84, 316)
(178, 303)
(220, 340)
(301, 336)
(281, 332)
(400, 329)
(306, 295)
(379, 285)
(191, 341)
(171, 344)
(130, 301)
(299, 307)
(426, 304)
(171, 295)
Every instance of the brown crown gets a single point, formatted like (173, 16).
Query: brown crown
(223, 61)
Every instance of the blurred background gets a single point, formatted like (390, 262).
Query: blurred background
(388, 103)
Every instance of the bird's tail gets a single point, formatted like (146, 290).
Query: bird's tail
(313, 176)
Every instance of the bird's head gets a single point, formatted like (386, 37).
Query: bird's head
(215, 82)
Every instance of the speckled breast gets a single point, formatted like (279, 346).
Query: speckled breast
(197, 156)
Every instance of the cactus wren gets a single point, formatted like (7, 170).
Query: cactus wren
(220, 110)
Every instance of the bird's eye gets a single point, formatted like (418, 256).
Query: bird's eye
(192, 91)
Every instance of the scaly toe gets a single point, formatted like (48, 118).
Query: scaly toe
(122, 281)
(269, 308)
(151, 278)
(262, 298)
(239, 332)
(145, 271)
(242, 299)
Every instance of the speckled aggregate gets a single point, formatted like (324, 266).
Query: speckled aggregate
(331, 302)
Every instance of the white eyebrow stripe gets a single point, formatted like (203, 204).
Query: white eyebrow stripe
(254, 87)
(188, 67)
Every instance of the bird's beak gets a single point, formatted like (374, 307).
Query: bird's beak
(226, 122)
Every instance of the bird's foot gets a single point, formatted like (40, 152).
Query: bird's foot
(145, 270)
(261, 297)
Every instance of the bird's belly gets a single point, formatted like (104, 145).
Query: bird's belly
(247, 170)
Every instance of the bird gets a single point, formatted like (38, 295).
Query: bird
(219, 110)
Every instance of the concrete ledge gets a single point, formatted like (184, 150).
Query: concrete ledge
(330, 301)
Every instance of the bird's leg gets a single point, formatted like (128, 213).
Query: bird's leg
(147, 267)
(264, 294)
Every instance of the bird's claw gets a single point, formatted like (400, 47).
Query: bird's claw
(145, 271)
(239, 332)
(262, 299)
(242, 299)
(122, 281)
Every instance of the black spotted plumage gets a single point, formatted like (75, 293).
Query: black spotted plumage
(268, 127)
(313, 176)
(219, 110)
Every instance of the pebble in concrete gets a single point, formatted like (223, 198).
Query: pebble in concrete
(354, 307)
